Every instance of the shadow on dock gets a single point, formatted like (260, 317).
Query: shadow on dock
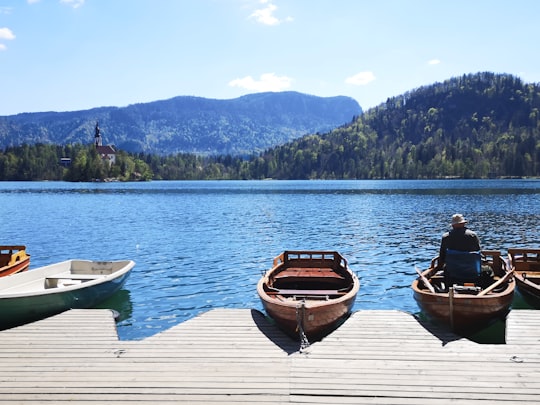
(274, 334)
(438, 331)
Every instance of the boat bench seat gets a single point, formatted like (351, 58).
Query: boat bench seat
(71, 279)
(323, 272)
(306, 292)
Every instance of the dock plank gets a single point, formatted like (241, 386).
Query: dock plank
(429, 364)
(522, 327)
(236, 356)
(213, 358)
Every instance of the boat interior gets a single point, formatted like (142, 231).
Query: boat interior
(526, 263)
(473, 287)
(492, 269)
(11, 255)
(4, 260)
(322, 283)
(310, 277)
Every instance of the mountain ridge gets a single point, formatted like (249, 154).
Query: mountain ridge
(188, 124)
(482, 125)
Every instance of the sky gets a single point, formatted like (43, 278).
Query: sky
(70, 55)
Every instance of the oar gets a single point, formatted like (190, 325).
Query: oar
(496, 284)
(425, 280)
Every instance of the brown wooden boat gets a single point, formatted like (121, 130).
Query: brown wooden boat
(13, 259)
(468, 307)
(308, 293)
(526, 265)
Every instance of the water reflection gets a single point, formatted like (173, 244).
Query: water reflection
(121, 303)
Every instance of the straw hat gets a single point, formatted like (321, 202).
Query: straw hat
(458, 219)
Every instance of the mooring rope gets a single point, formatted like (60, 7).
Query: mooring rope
(300, 313)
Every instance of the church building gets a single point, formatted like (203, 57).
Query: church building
(107, 152)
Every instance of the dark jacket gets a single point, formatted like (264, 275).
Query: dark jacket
(462, 239)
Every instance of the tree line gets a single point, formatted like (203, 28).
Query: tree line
(69, 163)
(474, 126)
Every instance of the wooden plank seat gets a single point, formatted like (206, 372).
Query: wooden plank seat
(306, 292)
(309, 272)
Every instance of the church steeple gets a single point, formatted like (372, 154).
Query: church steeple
(107, 153)
(97, 136)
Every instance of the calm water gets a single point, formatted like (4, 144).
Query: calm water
(204, 245)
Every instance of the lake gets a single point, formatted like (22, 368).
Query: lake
(200, 245)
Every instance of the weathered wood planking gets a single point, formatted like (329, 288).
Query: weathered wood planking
(522, 327)
(237, 357)
(388, 357)
(219, 357)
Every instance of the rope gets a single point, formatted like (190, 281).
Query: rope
(300, 312)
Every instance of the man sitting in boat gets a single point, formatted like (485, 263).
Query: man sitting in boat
(459, 254)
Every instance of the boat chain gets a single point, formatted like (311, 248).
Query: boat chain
(300, 313)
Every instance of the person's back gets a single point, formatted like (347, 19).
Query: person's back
(459, 254)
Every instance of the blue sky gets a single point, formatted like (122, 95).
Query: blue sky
(67, 55)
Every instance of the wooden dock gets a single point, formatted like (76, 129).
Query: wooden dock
(235, 356)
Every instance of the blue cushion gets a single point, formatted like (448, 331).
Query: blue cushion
(462, 265)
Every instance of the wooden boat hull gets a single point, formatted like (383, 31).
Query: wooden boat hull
(466, 313)
(318, 320)
(311, 307)
(526, 265)
(13, 259)
(49, 290)
(529, 291)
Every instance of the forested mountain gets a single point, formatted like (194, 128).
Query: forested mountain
(197, 125)
(474, 126)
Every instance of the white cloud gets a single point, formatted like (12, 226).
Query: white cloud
(73, 3)
(267, 82)
(434, 62)
(360, 79)
(6, 33)
(266, 15)
(70, 3)
(6, 10)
